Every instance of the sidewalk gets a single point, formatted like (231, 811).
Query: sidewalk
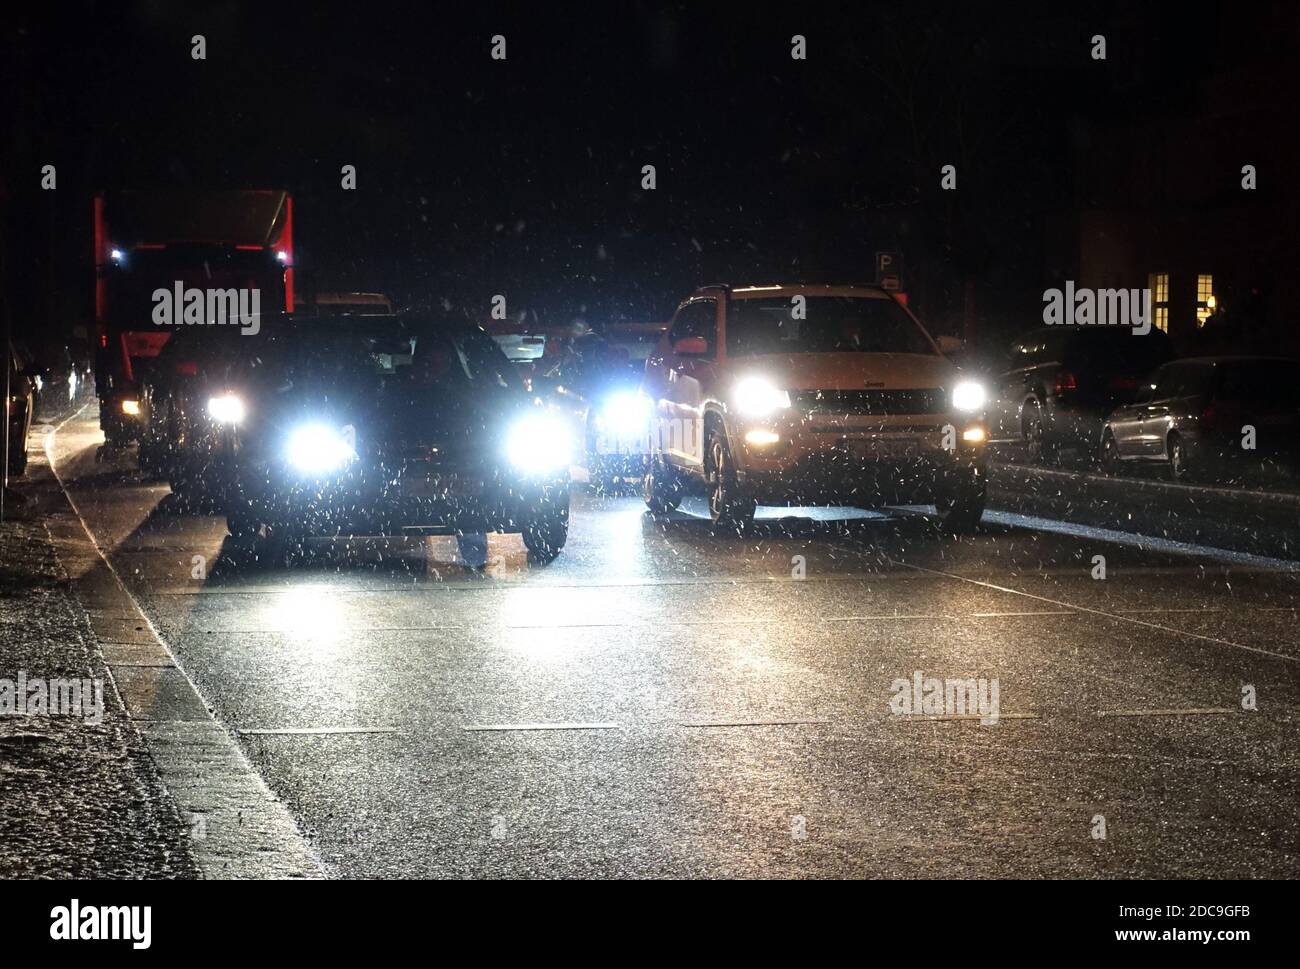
(80, 797)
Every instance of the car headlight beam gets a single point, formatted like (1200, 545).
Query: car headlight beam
(539, 443)
(626, 414)
(318, 449)
(758, 397)
(226, 409)
(969, 396)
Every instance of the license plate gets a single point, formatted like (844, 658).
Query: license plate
(885, 448)
(444, 486)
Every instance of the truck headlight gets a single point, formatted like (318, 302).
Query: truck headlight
(539, 443)
(757, 397)
(969, 396)
(226, 409)
(317, 449)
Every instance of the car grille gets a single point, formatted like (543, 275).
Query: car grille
(880, 403)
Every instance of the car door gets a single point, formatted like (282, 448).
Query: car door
(1153, 416)
(692, 344)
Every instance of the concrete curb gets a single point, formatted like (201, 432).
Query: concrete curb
(239, 829)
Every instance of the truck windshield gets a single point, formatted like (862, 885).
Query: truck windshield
(824, 324)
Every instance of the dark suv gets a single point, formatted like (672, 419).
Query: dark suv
(381, 425)
(1058, 383)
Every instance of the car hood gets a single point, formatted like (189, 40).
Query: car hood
(849, 371)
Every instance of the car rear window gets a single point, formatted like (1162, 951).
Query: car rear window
(1262, 381)
(1110, 350)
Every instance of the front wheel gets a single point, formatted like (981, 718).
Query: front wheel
(546, 529)
(1109, 456)
(729, 508)
(18, 450)
(961, 511)
(1177, 451)
(661, 488)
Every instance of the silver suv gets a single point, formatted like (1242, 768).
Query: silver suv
(804, 395)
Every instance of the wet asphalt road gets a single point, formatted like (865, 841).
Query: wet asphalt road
(725, 717)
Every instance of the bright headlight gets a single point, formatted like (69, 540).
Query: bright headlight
(226, 409)
(756, 397)
(969, 396)
(317, 449)
(538, 443)
(626, 414)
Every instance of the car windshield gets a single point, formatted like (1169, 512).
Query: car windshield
(821, 324)
(444, 357)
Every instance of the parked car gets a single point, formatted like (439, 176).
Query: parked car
(19, 407)
(811, 395)
(1197, 416)
(1058, 383)
(382, 426)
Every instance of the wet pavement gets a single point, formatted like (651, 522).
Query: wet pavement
(660, 701)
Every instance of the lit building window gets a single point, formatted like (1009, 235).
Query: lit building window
(1204, 298)
(1159, 283)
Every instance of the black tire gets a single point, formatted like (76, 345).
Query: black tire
(729, 508)
(18, 450)
(960, 512)
(152, 461)
(546, 529)
(1177, 453)
(1108, 454)
(18, 461)
(661, 487)
(1039, 448)
(242, 525)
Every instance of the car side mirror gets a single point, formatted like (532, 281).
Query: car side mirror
(948, 345)
(691, 346)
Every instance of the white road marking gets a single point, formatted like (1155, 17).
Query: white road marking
(1101, 612)
(311, 731)
(923, 717)
(1190, 712)
(478, 727)
(748, 723)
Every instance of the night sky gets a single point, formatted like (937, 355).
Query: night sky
(522, 177)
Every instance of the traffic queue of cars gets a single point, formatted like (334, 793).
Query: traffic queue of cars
(751, 395)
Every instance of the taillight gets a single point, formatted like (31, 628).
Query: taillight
(1065, 382)
(187, 368)
(1221, 417)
